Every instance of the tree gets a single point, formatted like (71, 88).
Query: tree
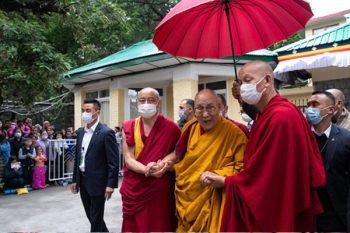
(35, 6)
(91, 30)
(294, 38)
(29, 65)
(38, 46)
(144, 16)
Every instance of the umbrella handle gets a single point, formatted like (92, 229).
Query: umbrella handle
(227, 12)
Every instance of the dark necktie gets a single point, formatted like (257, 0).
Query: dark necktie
(322, 144)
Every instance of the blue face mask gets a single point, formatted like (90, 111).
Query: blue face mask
(313, 115)
(182, 114)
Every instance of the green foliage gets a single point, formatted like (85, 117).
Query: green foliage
(29, 65)
(294, 38)
(38, 46)
(91, 30)
(144, 16)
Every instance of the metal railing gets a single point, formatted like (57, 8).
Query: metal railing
(61, 156)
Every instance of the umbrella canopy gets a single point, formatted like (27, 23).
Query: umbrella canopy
(214, 28)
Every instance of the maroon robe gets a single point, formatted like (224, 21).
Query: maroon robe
(240, 125)
(149, 202)
(282, 169)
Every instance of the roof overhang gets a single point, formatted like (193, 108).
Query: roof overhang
(338, 57)
(331, 57)
(151, 63)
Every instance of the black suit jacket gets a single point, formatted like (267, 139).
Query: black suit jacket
(337, 164)
(101, 161)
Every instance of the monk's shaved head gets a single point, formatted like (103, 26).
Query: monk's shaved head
(338, 94)
(258, 67)
(207, 93)
(339, 102)
(207, 109)
(149, 90)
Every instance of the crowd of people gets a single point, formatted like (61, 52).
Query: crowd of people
(24, 152)
(285, 170)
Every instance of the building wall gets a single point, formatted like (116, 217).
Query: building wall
(79, 96)
(233, 106)
(337, 21)
(183, 89)
(116, 107)
(341, 84)
(170, 103)
(178, 83)
(330, 73)
(299, 96)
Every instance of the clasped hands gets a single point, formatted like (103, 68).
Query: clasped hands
(156, 169)
(212, 179)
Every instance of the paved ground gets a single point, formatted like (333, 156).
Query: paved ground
(54, 209)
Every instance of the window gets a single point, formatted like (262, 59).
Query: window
(92, 95)
(221, 85)
(97, 94)
(218, 87)
(103, 97)
(104, 113)
(317, 31)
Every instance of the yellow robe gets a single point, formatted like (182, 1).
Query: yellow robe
(219, 150)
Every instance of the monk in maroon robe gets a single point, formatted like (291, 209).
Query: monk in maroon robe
(147, 190)
(276, 191)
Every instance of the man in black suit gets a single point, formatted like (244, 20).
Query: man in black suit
(96, 165)
(334, 144)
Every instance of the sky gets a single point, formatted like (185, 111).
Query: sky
(324, 7)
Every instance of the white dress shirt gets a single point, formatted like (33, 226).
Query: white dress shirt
(85, 143)
(327, 132)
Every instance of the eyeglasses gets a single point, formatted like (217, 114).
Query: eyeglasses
(150, 100)
(210, 109)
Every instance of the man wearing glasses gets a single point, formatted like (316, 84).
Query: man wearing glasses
(148, 188)
(209, 143)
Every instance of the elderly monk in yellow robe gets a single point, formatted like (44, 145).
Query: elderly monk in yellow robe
(209, 143)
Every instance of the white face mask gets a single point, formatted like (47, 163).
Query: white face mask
(249, 93)
(87, 117)
(147, 110)
(246, 118)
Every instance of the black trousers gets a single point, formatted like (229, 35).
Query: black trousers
(330, 222)
(94, 208)
(28, 175)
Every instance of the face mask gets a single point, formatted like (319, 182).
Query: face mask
(313, 115)
(87, 117)
(44, 137)
(147, 110)
(334, 117)
(249, 93)
(246, 117)
(182, 114)
(18, 135)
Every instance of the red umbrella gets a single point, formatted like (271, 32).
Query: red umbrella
(221, 28)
